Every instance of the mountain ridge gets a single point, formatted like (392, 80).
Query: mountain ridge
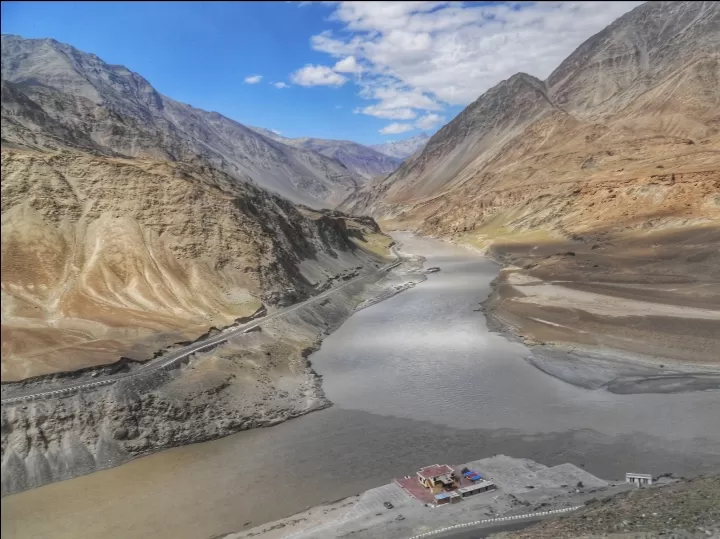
(132, 221)
(612, 83)
(359, 158)
(595, 186)
(123, 113)
(402, 149)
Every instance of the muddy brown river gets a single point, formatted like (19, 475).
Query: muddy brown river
(416, 379)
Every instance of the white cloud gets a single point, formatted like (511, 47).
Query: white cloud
(395, 128)
(424, 55)
(348, 65)
(393, 98)
(276, 131)
(280, 85)
(316, 75)
(388, 114)
(253, 79)
(429, 121)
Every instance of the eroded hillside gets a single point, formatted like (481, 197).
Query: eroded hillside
(105, 257)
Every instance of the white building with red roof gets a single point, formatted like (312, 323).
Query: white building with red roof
(437, 475)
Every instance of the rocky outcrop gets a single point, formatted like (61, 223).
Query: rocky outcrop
(684, 509)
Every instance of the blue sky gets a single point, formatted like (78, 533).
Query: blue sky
(369, 71)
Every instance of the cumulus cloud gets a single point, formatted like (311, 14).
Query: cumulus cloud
(253, 79)
(427, 55)
(395, 128)
(429, 121)
(280, 85)
(317, 75)
(388, 114)
(393, 98)
(348, 65)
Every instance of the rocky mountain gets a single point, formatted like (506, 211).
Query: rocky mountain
(598, 189)
(603, 142)
(362, 160)
(131, 221)
(110, 256)
(55, 96)
(402, 149)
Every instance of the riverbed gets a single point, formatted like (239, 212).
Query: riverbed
(416, 379)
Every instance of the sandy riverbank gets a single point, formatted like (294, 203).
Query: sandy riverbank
(628, 314)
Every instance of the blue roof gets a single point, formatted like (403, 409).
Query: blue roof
(442, 496)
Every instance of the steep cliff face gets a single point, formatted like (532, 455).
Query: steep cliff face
(103, 257)
(79, 101)
(639, 96)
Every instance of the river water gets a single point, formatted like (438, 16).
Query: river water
(416, 379)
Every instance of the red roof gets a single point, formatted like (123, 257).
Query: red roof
(429, 472)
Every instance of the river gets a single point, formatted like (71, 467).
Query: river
(416, 379)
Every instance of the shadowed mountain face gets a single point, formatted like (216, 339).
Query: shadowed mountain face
(624, 133)
(55, 96)
(362, 160)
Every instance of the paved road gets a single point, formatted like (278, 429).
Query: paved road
(481, 533)
(178, 355)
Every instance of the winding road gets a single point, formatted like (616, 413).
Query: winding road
(180, 354)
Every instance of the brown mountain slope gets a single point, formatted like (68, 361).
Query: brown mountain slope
(615, 158)
(103, 257)
(55, 96)
(652, 73)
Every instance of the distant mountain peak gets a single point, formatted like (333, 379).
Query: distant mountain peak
(63, 97)
(366, 161)
(402, 149)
